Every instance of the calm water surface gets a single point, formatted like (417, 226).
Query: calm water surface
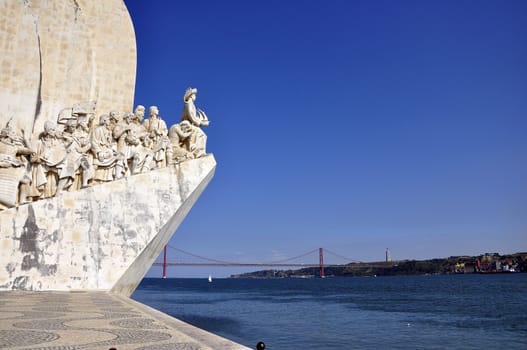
(410, 312)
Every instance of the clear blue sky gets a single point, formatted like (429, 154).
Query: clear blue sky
(350, 125)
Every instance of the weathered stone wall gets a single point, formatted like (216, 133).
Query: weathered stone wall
(105, 237)
(54, 54)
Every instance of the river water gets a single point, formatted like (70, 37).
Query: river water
(401, 312)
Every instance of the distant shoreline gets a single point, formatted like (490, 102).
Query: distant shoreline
(481, 264)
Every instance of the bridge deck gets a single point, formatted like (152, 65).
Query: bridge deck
(95, 320)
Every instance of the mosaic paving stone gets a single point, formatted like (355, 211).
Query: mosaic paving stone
(25, 338)
(110, 315)
(132, 337)
(60, 347)
(40, 314)
(140, 323)
(50, 324)
(93, 321)
(172, 346)
(53, 308)
(9, 314)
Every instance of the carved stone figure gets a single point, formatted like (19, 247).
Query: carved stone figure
(144, 148)
(158, 133)
(78, 171)
(146, 155)
(127, 143)
(197, 118)
(49, 161)
(105, 157)
(14, 167)
(180, 136)
(137, 120)
(194, 115)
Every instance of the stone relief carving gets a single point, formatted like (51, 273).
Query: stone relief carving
(72, 154)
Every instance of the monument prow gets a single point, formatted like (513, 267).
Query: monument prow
(104, 237)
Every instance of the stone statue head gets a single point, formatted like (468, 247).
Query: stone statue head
(185, 125)
(84, 122)
(104, 119)
(190, 93)
(71, 125)
(115, 116)
(153, 111)
(139, 112)
(50, 128)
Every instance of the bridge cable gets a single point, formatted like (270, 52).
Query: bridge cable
(200, 257)
(295, 257)
(340, 256)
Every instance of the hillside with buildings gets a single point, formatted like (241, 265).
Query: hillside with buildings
(485, 264)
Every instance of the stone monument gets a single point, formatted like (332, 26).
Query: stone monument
(90, 192)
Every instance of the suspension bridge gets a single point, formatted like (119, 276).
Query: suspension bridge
(289, 262)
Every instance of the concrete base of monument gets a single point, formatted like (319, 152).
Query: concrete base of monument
(95, 320)
(104, 237)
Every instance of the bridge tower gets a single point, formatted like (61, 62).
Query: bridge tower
(321, 261)
(165, 262)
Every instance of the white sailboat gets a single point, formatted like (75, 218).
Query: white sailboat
(210, 279)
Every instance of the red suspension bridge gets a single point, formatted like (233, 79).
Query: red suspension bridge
(289, 262)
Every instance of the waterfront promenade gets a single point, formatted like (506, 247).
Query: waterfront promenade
(95, 320)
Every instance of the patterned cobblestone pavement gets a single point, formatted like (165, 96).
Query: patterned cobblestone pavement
(95, 320)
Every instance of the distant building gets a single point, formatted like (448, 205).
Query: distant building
(388, 255)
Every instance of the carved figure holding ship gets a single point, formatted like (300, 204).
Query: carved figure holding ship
(194, 115)
(197, 118)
